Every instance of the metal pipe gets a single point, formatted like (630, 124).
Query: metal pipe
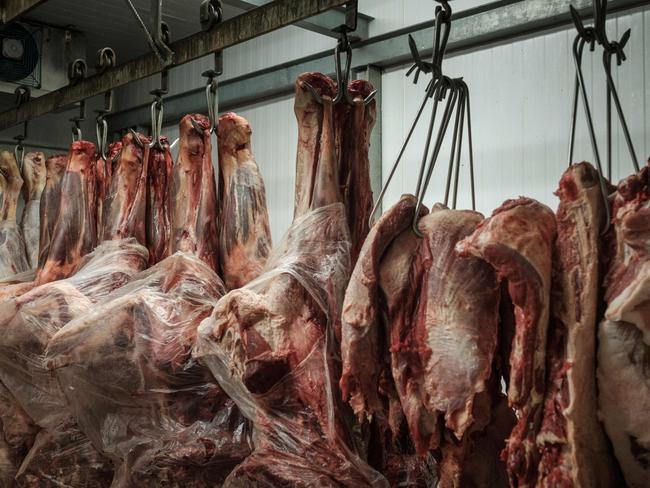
(242, 28)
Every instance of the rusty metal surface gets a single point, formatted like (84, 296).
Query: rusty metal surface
(247, 26)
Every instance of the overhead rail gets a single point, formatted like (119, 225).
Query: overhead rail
(11, 10)
(494, 22)
(252, 24)
(321, 24)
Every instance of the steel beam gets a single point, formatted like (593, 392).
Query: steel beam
(249, 25)
(322, 24)
(480, 27)
(11, 10)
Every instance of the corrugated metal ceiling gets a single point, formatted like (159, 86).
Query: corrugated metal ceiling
(111, 23)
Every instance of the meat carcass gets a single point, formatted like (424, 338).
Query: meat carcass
(129, 377)
(34, 175)
(271, 344)
(309, 114)
(75, 232)
(366, 381)
(624, 336)
(50, 203)
(517, 240)
(574, 449)
(159, 204)
(126, 196)
(245, 240)
(145, 402)
(29, 320)
(104, 176)
(354, 125)
(12, 246)
(442, 349)
(194, 217)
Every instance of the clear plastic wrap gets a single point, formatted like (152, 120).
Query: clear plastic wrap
(127, 371)
(27, 324)
(13, 259)
(271, 346)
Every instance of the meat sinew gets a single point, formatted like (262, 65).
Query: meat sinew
(353, 128)
(50, 203)
(75, 233)
(104, 177)
(159, 205)
(12, 246)
(194, 217)
(518, 241)
(245, 240)
(624, 337)
(270, 344)
(574, 449)
(34, 176)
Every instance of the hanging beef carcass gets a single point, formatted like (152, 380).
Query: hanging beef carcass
(75, 234)
(34, 176)
(12, 246)
(518, 241)
(145, 402)
(50, 203)
(441, 316)
(28, 322)
(159, 205)
(624, 336)
(353, 126)
(367, 381)
(104, 177)
(245, 239)
(194, 223)
(574, 449)
(271, 344)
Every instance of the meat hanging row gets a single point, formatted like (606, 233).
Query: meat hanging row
(161, 341)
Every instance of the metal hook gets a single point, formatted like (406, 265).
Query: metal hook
(612, 93)
(456, 147)
(137, 140)
(313, 93)
(76, 122)
(19, 152)
(446, 85)
(159, 40)
(106, 58)
(197, 125)
(210, 14)
(212, 90)
(578, 48)
(156, 123)
(101, 126)
(343, 77)
(425, 100)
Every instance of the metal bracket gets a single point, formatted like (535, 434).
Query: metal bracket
(106, 59)
(76, 122)
(77, 70)
(210, 14)
(158, 37)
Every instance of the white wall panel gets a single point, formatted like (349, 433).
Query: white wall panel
(521, 100)
(274, 142)
(269, 50)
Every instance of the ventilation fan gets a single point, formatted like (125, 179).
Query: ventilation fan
(20, 55)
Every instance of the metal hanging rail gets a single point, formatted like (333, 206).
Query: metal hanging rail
(249, 25)
(477, 27)
(321, 24)
(11, 10)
